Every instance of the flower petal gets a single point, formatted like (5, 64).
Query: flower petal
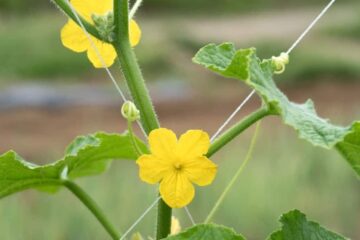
(163, 143)
(193, 143)
(89, 7)
(200, 170)
(100, 7)
(176, 190)
(106, 51)
(83, 8)
(135, 33)
(73, 37)
(152, 169)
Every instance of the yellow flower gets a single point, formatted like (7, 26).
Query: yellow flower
(73, 37)
(176, 164)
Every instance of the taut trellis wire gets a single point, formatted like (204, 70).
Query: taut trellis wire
(301, 37)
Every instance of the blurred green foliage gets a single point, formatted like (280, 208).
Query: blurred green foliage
(174, 5)
(32, 48)
(351, 30)
(188, 6)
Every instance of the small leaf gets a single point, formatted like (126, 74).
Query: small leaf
(86, 155)
(207, 232)
(244, 65)
(295, 226)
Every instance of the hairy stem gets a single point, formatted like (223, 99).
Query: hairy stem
(236, 176)
(131, 69)
(238, 128)
(64, 6)
(93, 207)
(140, 95)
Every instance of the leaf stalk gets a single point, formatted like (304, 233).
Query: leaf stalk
(93, 207)
(238, 128)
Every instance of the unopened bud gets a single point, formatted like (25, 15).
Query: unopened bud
(280, 62)
(130, 111)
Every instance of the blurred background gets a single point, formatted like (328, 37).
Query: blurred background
(49, 95)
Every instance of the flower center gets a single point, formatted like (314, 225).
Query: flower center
(177, 166)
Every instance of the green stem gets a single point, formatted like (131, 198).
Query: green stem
(237, 129)
(140, 95)
(133, 141)
(131, 69)
(93, 207)
(236, 176)
(64, 6)
(163, 224)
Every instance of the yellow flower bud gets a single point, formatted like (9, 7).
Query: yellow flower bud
(137, 236)
(175, 226)
(130, 111)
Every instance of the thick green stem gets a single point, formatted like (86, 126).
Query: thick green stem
(237, 129)
(140, 95)
(93, 207)
(131, 69)
(64, 6)
(163, 224)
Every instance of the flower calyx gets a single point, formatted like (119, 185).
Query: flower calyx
(105, 26)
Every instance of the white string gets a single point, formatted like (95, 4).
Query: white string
(301, 37)
(140, 218)
(190, 216)
(311, 26)
(134, 8)
(102, 61)
(232, 116)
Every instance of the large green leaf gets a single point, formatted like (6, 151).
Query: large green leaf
(207, 232)
(244, 65)
(16, 174)
(295, 226)
(86, 155)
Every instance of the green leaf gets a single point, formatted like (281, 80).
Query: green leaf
(90, 155)
(86, 155)
(295, 226)
(207, 232)
(244, 65)
(350, 147)
(16, 174)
